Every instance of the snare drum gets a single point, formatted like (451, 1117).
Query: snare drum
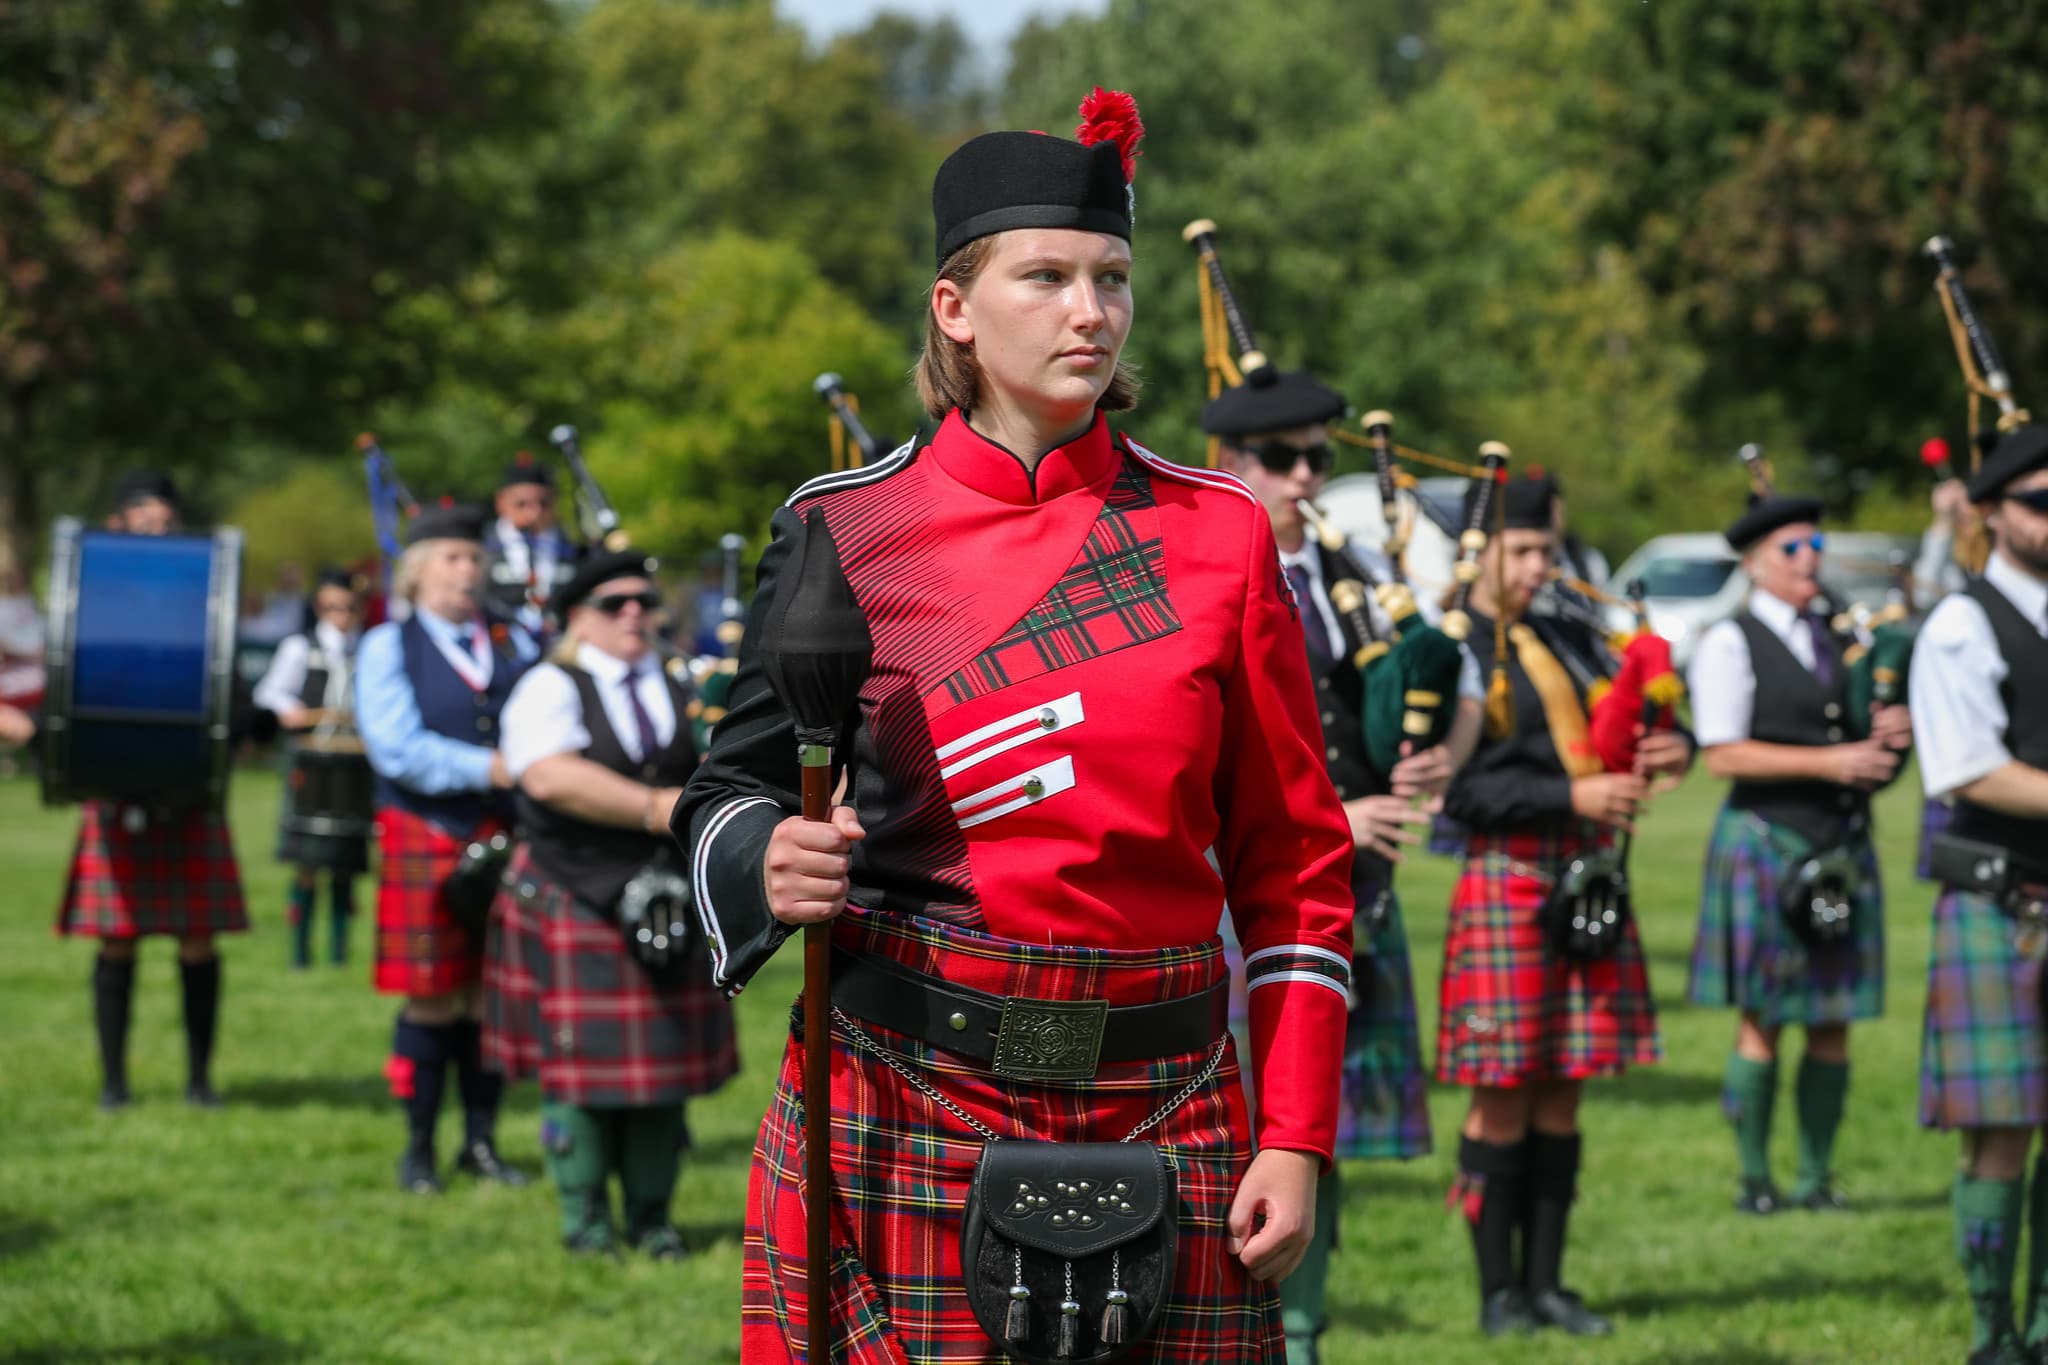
(140, 661)
(330, 791)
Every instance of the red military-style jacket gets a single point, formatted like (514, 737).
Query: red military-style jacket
(1087, 676)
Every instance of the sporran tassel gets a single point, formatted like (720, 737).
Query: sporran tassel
(1115, 1317)
(1070, 1321)
(1017, 1322)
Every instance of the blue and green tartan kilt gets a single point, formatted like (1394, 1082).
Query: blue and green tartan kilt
(1384, 1110)
(1744, 955)
(1984, 1044)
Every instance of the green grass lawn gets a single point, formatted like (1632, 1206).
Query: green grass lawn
(271, 1230)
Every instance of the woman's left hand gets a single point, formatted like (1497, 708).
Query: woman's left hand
(1892, 726)
(1423, 774)
(1280, 1189)
(1663, 753)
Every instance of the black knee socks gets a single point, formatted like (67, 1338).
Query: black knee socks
(113, 996)
(1553, 1181)
(1491, 1177)
(418, 1073)
(201, 982)
(481, 1089)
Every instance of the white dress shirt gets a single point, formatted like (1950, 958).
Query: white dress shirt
(285, 680)
(1959, 718)
(1722, 678)
(544, 715)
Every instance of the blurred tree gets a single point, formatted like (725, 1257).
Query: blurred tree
(214, 218)
(316, 514)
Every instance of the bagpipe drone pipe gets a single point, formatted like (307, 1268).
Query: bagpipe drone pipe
(1984, 376)
(1410, 679)
(1633, 688)
(1877, 646)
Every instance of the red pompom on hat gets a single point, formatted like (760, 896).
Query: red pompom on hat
(1934, 452)
(1112, 116)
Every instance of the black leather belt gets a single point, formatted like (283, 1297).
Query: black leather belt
(1022, 1039)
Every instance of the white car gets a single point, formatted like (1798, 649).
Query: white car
(1693, 580)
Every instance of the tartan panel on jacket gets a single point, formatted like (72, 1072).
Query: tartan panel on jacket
(1113, 597)
(421, 948)
(902, 1164)
(1745, 955)
(1984, 1043)
(565, 1001)
(176, 875)
(1513, 1010)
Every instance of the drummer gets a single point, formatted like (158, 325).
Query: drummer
(307, 688)
(428, 693)
(599, 741)
(142, 870)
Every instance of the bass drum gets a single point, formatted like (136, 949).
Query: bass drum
(140, 661)
(1351, 503)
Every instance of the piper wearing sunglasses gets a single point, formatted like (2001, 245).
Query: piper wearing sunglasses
(1979, 671)
(1771, 710)
(595, 740)
(1275, 437)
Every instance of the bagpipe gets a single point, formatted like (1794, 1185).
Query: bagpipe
(1633, 688)
(594, 511)
(1984, 376)
(1411, 679)
(1877, 646)
(853, 445)
(391, 502)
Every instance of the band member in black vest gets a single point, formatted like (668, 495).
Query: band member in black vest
(1276, 438)
(1791, 927)
(308, 687)
(597, 981)
(428, 693)
(1525, 1020)
(139, 871)
(1980, 669)
(526, 556)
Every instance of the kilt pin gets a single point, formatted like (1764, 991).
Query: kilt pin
(1511, 1008)
(1043, 756)
(566, 1003)
(1744, 953)
(422, 949)
(176, 875)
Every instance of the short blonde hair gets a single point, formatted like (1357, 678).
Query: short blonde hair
(563, 652)
(405, 574)
(948, 376)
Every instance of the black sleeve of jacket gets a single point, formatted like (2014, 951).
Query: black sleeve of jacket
(746, 786)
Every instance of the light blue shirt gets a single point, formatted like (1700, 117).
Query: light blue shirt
(400, 746)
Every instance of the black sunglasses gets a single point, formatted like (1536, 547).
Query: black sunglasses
(1280, 458)
(612, 603)
(2034, 500)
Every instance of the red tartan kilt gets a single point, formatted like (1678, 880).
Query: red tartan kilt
(1510, 1009)
(174, 876)
(901, 1164)
(565, 1001)
(421, 948)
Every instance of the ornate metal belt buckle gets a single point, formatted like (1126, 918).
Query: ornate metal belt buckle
(1049, 1040)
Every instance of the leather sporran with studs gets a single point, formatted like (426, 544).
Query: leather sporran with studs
(1067, 1250)
(1589, 907)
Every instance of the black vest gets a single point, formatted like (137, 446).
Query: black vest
(450, 706)
(320, 665)
(2026, 723)
(1792, 707)
(1340, 702)
(596, 861)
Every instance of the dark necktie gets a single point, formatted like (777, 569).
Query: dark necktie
(1823, 656)
(642, 722)
(1311, 618)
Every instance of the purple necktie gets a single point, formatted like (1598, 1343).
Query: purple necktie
(1823, 656)
(1311, 618)
(642, 722)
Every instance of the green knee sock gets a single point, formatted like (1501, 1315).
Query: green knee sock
(2037, 1254)
(1987, 1217)
(1302, 1293)
(577, 1144)
(302, 924)
(1822, 1089)
(650, 1159)
(1749, 1089)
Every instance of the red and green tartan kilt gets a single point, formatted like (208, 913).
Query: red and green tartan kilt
(175, 875)
(1511, 1009)
(421, 948)
(901, 1164)
(565, 1001)
(1984, 1044)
